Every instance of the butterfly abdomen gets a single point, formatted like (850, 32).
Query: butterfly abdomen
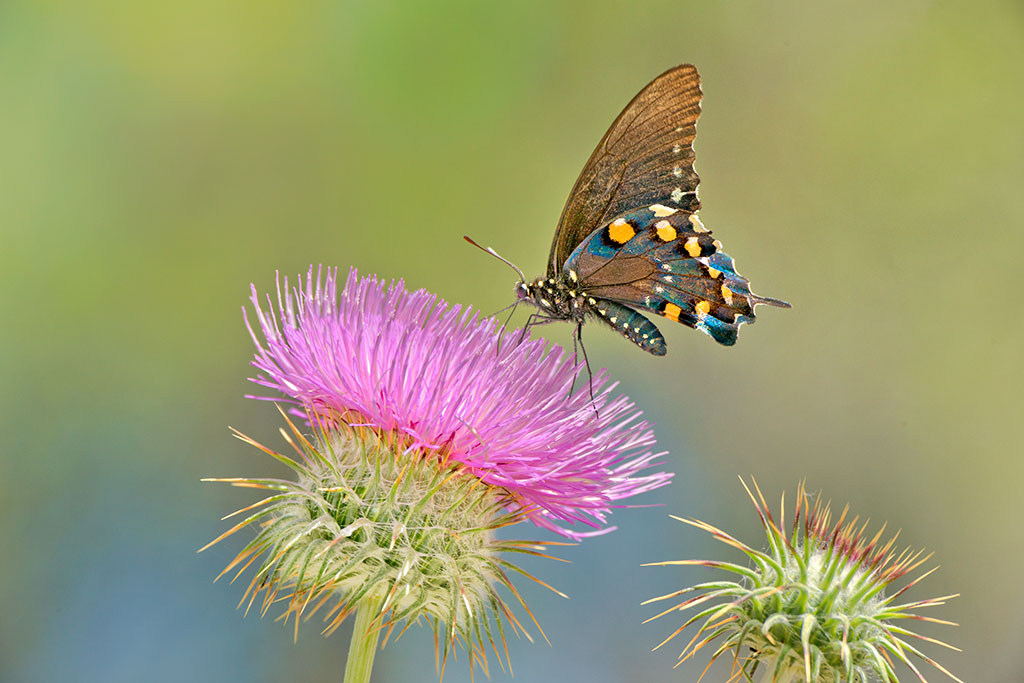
(630, 325)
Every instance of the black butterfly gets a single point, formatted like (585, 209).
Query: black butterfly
(629, 237)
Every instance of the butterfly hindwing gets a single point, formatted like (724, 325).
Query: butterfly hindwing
(645, 158)
(665, 261)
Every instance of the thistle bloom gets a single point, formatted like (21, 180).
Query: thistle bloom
(813, 607)
(429, 433)
(441, 381)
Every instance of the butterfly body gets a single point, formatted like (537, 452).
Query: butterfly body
(630, 239)
(562, 298)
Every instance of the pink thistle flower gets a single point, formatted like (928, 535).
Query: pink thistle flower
(441, 379)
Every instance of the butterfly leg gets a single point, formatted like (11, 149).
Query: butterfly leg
(501, 332)
(526, 328)
(534, 320)
(575, 357)
(578, 338)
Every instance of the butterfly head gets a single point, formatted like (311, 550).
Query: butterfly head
(539, 293)
(555, 297)
(523, 291)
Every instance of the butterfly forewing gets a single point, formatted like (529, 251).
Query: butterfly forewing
(645, 158)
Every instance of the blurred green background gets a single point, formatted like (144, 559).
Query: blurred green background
(862, 160)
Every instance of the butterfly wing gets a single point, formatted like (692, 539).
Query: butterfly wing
(665, 261)
(645, 158)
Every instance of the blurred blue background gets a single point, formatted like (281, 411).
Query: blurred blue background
(863, 161)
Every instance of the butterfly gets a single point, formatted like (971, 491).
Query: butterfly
(629, 238)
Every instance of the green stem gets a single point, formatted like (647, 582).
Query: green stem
(364, 642)
(788, 676)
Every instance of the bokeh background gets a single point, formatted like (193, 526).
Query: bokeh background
(863, 160)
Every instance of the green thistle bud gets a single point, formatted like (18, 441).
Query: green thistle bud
(813, 606)
(368, 522)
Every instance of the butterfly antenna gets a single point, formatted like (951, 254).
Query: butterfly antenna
(489, 250)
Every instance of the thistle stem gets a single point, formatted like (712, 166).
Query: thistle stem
(787, 676)
(363, 647)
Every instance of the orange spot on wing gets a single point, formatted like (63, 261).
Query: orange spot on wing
(666, 233)
(692, 247)
(620, 231)
(727, 295)
(672, 312)
(703, 308)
